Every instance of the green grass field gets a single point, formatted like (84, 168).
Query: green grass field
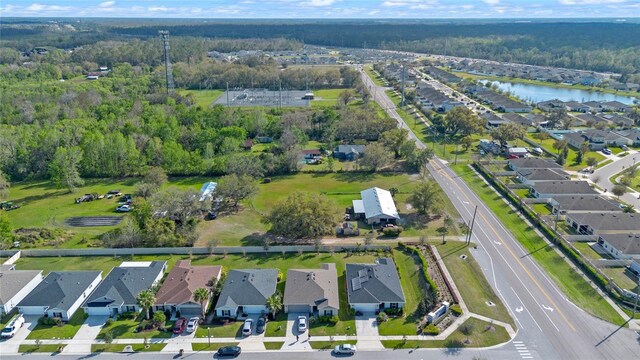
(98, 348)
(49, 348)
(230, 330)
(569, 281)
(212, 347)
(327, 345)
(480, 337)
(273, 345)
(125, 329)
(374, 76)
(66, 331)
(203, 98)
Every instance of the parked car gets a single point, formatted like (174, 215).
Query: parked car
(302, 324)
(624, 147)
(13, 326)
(345, 349)
(229, 351)
(124, 208)
(178, 328)
(606, 151)
(260, 325)
(192, 325)
(246, 328)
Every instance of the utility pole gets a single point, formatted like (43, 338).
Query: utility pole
(168, 72)
(473, 221)
(403, 76)
(228, 94)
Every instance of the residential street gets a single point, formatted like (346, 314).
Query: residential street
(550, 326)
(607, 171)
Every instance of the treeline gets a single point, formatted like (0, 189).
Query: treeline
(599, 46)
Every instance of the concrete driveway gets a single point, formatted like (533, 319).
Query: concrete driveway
(81, 342)
(302, 343)
(255, 341)
(10, 346)
(367, 332)
(607, 171)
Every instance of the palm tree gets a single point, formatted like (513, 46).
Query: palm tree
(201, 295)
(629, 209)
(274, 303)
(146, 299)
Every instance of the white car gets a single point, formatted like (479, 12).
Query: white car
(13, 326)
(192, 325)
(247, 327)
(302, 324)
(345, 349)
(124, 208)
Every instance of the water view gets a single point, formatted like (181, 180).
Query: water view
(538, 93)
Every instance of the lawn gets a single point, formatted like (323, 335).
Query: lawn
(622, 277)
(277, 327)
(470, 281)
(203, 98)
(347, 323)
(328, 345)
(326, 97)
(479, 337)
(273, 345)
(569, 281)
(125, 329)
(230, 330)
(66, 331)
(212, 347)
(541, 209)
(413, 283)
(98, 348)
(587, 251)
(377, 79)
(49, 348)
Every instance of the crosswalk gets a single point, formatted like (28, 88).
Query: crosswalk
(522, 350)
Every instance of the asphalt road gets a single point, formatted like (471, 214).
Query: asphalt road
(607, 171)
(549, 325)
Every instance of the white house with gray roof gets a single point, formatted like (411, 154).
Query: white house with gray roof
(377, 206)
(312, 291)
(621, 246)
(118, 290)
(547, 189)
(60, 294)
(582, 204)
(599, 223)
(246, 292)
(15, 285)
(373, 287)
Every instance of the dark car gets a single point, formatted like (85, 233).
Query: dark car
(230, 351)
(261, 325)
(178, 328)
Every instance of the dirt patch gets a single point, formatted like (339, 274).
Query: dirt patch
(86, 221)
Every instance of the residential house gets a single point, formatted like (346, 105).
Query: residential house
(348, 152)
(312, 291)
(60, 294)
(590, 119)
(177, 291)
(616, 106)
(621, 246)
(489, 147)
(632, 134)
(599, 223)
(532, 163)
(619, 120)
(577, 106)
(93, 76)
(582, 204)
(531, 176)
(517, 151)
(312, 154)
(518, 119)
(374, 287)
(15, 285)
(117, 292)
(551, 105)
(246, 292)
(597, 139)
(376, 207)
(547, 189)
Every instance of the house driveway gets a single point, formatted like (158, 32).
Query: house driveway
(367, 332)
(11, 346)
(255, 341)
(181, 341)
(302, 343)
(81, 342)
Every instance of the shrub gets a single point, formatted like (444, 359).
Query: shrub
(333, 319)
(431, 330)
(382, 317)
(50, 321)
(394, 231)
(127, 315)
(109, 322)
(394, 312)
(456, 310)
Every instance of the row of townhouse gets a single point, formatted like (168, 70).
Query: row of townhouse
(497, 101)
(432, 98)
(600, 139)
(588, 106)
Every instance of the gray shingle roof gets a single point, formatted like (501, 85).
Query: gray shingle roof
(348, 149)
(586, 203)
(373, 283)
(124, 283)
(314, 287)
(534, 163)
(61, 289)
(543, 174)
(625, 243)
(12, 281)
(248, 287)
(563, 187)
(608, 221)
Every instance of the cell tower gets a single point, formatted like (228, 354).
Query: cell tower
(168, 72)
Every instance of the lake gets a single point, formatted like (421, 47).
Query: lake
(538, 93)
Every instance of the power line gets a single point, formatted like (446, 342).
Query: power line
(168, 72)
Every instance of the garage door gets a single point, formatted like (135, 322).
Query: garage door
(190, 311)
(297, 308)
(105, 311)
(366, 308)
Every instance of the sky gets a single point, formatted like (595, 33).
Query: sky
(322, 8)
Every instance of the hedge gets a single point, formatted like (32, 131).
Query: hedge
(425, 267)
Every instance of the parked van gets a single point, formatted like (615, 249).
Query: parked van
(538, 151)
(13, 326)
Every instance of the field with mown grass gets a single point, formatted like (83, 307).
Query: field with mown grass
(204, 98)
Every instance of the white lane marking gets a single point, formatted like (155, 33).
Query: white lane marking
(547, 308)
(497, 242)
(519, 309)
(518, 342)
(528, 312)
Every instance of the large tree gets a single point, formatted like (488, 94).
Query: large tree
(393, 140)
(146, 299)
(234, 188)
(201, 295)
(4, 186)
(302, 216)
(274, 303)
(425, 197)
(63, 169)
(151, 182)
(463, 121)
(177, 204)
(375, 157)
(507, 132)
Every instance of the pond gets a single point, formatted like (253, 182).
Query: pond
(538, 93)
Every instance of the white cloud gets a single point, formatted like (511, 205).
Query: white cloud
(158, 8)
(491, 2)
(320, 2)
(41, 7)
(106, 4)
(589, 2)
